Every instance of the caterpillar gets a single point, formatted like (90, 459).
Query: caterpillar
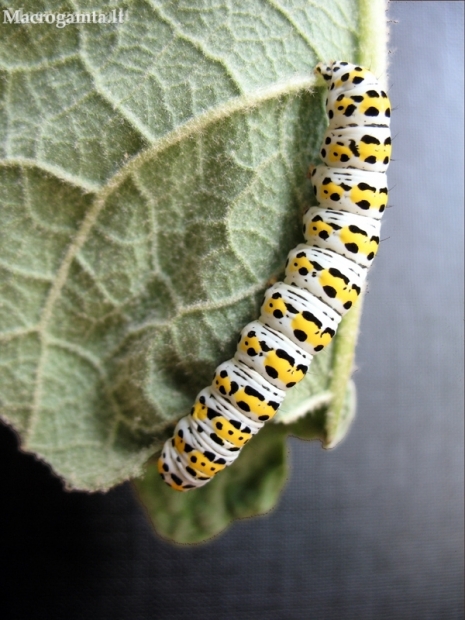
(323, 278)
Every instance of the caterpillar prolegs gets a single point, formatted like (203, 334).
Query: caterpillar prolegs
(323, 278)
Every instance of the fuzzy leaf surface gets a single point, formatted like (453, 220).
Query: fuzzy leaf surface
(152, 181)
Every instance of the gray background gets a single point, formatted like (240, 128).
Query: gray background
(370, 530)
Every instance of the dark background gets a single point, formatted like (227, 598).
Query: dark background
(370, 530)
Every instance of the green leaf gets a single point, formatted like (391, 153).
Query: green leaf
(152, 182)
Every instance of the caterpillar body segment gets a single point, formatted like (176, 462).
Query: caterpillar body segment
(334, 279)
(194, 454)
(365, 148)
(174, 473)
(354, 236)
(300, 316)
(350, 190)
(272, 355)
(202, 435)
(224, 423)
(247, 390)
(324, 277)
(343, 76)
(358, 108)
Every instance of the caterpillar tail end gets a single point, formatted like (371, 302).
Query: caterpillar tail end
(166, 477)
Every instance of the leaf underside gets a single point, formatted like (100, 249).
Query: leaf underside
(152, 181)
